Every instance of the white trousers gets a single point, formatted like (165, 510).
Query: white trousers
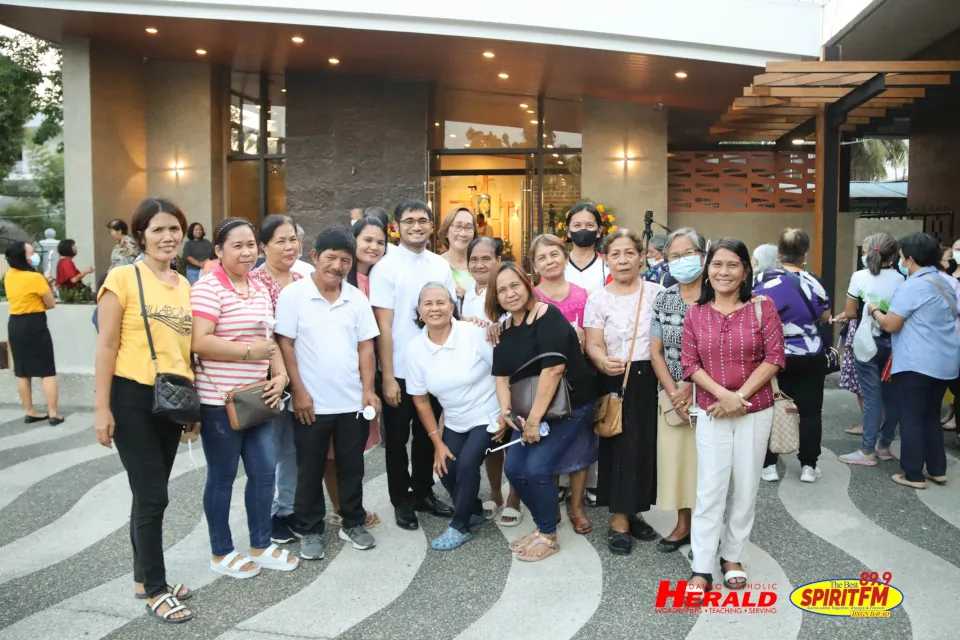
(728, 448)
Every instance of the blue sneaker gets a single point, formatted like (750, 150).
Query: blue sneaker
(451, 539)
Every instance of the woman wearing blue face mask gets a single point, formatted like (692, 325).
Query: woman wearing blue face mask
(30, 296)
(677, 444)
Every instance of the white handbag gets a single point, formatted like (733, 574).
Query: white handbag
(785, 432)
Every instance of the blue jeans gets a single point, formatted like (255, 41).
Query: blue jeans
(286, 465)
(223, 448)
(462, 480)
(193, 274)
(530, 467)
(879, 406)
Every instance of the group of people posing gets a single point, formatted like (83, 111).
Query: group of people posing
(462, 353)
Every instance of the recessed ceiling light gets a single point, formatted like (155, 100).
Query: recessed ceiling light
(549, 146)
(533, 122)
(799, 141)
(453, 135)
(488, 54)
(559, 161)
(503, 75)
(297, 39)
(681, 74)
(556, 155)
(436, 124)
(201, 52)
(530, 111)
(152, 30)
(524, 106)
(334, 61)
(283, 90)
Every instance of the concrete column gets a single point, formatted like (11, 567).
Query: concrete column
(104, 143)
(625, 159)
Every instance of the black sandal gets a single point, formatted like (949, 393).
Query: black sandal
(32, 419)
(730, 577)
(175, 607)
(704, 589)
(619, 542)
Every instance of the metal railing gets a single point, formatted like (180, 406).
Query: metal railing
(937, 222)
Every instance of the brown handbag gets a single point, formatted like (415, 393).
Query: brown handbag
(524, 392)
(245, 406)
(608, 416)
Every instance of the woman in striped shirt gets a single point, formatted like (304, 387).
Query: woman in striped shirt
(229, 313)
(732, 347)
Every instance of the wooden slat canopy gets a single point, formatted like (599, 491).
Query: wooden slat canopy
(789, 93)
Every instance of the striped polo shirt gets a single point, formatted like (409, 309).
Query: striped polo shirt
(237, 318)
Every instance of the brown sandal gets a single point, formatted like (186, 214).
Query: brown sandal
(372, 520)
(581, 524)
(540, 548)
(521, 543)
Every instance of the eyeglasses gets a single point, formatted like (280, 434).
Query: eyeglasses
(689, 253)
(415, 222)
(457, 228)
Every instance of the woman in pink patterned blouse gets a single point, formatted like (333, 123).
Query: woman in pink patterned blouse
(549, 256)
(730, 355)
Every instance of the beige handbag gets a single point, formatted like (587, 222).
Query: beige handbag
(785, 433)
(668, 414)
(608, 416)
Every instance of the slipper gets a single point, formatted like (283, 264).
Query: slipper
(32, 419)
(491, 509)
(941, 480)
(224, 566)
(451, 539)
(515, 515)
(527, 554)
(899, 478)
(175, 607)
(54, 421)
(733, 574)
(521, 543)
(581, 524)
(174, 590)
(268, 561)
(854, 431)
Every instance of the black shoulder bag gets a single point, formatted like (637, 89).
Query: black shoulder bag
(174, 397)
(831, 354)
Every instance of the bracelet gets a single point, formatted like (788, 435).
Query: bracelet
(433, 432)
(247, 354)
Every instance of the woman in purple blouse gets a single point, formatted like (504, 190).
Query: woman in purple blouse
(803, 305)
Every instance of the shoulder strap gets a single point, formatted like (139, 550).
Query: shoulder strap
(795, 281)
(757, 302)
(633, 342)
(942, 292)
(535, 358)
(143, 312)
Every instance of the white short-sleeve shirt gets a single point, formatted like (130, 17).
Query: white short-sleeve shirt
(592, 278)
(326, 338)
(458, 373)
(395, 283)
(473, 304)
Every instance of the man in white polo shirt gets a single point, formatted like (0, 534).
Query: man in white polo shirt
(395, 285)
(325, 329)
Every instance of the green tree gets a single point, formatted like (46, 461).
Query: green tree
(17, 104)
(47, 166)
(871, 159)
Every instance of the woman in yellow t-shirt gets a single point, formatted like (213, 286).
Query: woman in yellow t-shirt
(125, 374)
(30, 296)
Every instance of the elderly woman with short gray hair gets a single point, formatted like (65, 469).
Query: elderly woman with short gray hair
(676, 445)
(764, 259)
(452, 361)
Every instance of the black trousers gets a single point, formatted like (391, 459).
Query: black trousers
(349, 432)
(802, 380)
(416, 483)
(147, 446)
(462, 480)
(919, 397)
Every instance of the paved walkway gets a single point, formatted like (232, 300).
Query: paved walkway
(64, 507)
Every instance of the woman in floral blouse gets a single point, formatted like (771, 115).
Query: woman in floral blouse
(732, 347)
(125, 251)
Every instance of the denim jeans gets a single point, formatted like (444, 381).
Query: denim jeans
(223, 448)
(286, 465)
(193, 274)
(530, 467)
(919, 398)
(879, 407)
(462, 480)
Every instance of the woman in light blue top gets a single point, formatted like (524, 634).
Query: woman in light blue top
(926, 356)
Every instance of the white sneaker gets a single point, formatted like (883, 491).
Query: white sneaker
(859, 457)
(809, 474)
(769, 474)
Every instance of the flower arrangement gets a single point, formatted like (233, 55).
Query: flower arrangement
(393, 232)
(607, 219)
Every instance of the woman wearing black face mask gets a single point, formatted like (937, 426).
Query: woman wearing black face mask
(585, 267)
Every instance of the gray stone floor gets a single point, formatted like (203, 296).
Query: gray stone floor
(64, 507)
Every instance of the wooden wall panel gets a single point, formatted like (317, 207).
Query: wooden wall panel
(741, 181)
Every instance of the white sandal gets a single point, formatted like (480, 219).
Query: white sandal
(491, 509)
(224, 566)
(268, 561)
(510, 512)
(175, 607)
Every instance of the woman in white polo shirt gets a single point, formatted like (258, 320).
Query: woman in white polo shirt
(452, 360)
(586, 267)
(229, 309)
